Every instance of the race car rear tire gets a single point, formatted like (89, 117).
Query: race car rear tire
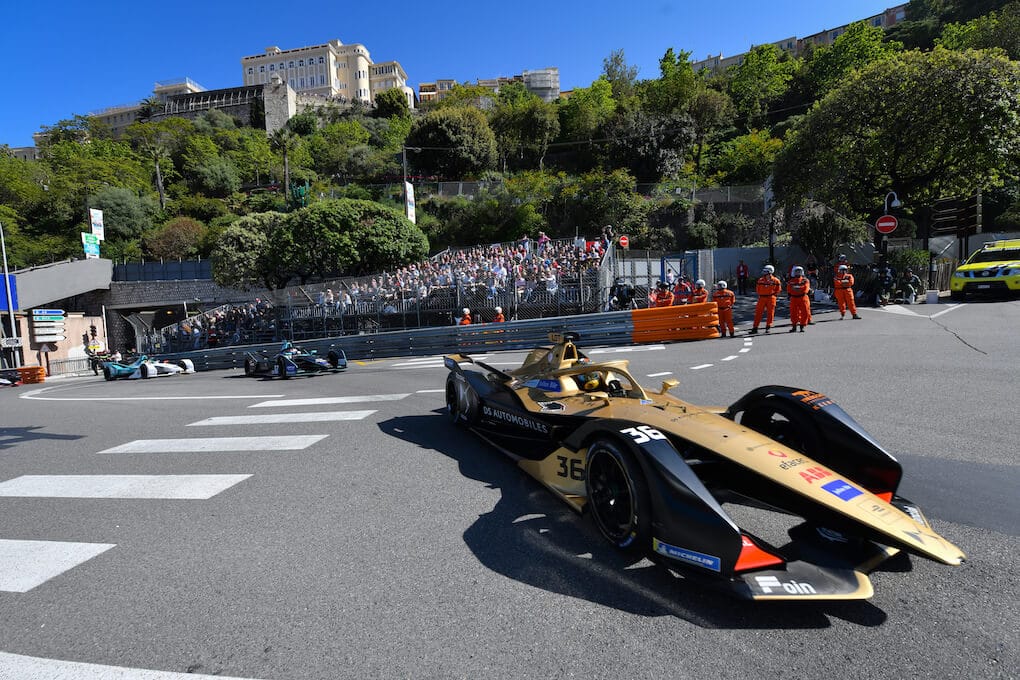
(784, 424)
(147, 370)
(249, 366)
(107, 373)
(618, 498)
(187, 365)
(462, 407)
(333, 358)
(281, 367)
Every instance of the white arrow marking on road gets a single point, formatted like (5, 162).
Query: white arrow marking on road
(161, 487)
(321, 417)
(27, 564)
(331, 400)
(218, 444)
(34, 668)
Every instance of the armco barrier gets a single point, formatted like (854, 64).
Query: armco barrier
(595, 329)
(682, 322)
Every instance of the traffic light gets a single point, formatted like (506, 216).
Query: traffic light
(92, 330)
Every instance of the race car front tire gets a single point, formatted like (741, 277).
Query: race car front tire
(107, 373)
(333, 358)
(618, 498)
(249, 366)
(147, 371)
(281, 366)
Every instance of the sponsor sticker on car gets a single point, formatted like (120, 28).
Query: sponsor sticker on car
(772, 584)
(689, 556)
(842, 490)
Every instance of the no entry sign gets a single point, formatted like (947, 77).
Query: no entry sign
(624, 242)
(886, 224)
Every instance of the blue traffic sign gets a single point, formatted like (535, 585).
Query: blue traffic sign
(47, 312)
(12, 286)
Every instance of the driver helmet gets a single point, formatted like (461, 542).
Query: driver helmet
(843, 268)
(768, 269)
(842, 258)
(700, 283)
(722, 285)
(798, 271)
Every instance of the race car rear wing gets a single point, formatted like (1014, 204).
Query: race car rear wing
(453, 362)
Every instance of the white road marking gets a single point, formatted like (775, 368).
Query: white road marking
(748, 343)
(35, 668)
(320, 417)
(699, 367)
(945, 311)
(34, 395)
(431, 391)
(730, 357)
(746, 349)
(608, 350)
(438, 364)
(27, 564)
(330, 400)
(218, 444)
(151, 487)
(656, 375)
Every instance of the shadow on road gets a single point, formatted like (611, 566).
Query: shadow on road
(530, 536)
(12, 436)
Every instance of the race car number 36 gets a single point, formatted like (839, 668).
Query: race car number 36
(642, 433)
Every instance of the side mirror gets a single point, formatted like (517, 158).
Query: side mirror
(667, 385)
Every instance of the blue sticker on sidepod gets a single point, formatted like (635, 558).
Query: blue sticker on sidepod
(689, 556)
(842, 490)
(450, 363)
(544, 385)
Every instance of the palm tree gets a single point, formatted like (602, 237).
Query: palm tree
(149, 107)
(284, 140)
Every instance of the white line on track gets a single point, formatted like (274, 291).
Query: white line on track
(150, 487)
(34, 668)
(268, 418)
(945, 311)
(730, 357)
(656, 375)
(746, 349)
(330, 400)
(430, 391)
(34, 395)
(608, 350)
(27, 564)
(700, 366)
(218, 444)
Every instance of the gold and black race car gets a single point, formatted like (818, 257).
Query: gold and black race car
(668, 479)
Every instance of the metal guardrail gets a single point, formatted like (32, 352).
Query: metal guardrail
(70, 366)
(595, 329)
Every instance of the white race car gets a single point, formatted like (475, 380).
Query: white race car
(144, 367)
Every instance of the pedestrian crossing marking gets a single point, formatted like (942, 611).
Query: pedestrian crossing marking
(35, 668)
(269, 418)
(27, 564)
(218, 444)
(148, 487)
(318, 401)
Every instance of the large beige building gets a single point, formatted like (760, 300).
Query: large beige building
(331, 70)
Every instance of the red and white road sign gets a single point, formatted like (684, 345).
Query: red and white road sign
(886, 224)
(624, 241)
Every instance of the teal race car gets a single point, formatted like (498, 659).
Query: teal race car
(143, 367)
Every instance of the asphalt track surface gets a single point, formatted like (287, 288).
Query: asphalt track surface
(399, 546)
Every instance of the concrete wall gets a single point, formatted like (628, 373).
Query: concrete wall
(41, 286)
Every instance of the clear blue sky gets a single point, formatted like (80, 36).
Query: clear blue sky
(77, 57)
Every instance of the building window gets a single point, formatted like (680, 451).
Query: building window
(876, 22)
(251, 70)
(262, 69)
(321, 60)
(272, 67)
(301, 62)
(322, 80)
(290, 64)
(302, 82)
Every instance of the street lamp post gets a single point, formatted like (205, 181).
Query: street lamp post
(881, 237)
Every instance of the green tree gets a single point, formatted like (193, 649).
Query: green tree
(622, 77)
(125, 214)
(351, 237)
(178, 238)
(676, 86)
(455, 143)
(330, 147)
(392, 103)
(859, 46)
(247, 255)
(747, 159)
(588, 109)
(819, 231)
(762, 78)
(711, 111)
(285, 142)
(154, 141)
(995, 29)
(922, 124)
